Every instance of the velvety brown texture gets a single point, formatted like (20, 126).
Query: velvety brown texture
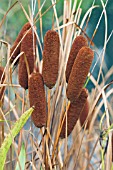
(78, 43)
(18, 39)
(51, 58)
(1, 82)
(27, 48)
(84, 114)
(37, 99)
(73, 113)
(79, 73)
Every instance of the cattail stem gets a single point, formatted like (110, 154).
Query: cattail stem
(49, 109)
(2, 78)
(59, 130)
(47, 140)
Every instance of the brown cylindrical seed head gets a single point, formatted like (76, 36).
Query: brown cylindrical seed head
(84, 114)
(73, 113)
(78, 43)
(37, 99)
(18, 39)
(50, 58)
(24, 68)
(79, 73)
(1, 82)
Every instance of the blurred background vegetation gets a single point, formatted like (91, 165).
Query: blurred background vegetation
(16, 19)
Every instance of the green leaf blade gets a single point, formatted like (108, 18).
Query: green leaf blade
(14, 131)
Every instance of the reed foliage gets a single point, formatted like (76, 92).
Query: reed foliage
(53, 137)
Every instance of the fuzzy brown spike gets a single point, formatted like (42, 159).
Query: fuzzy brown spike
(27, 48)
(1, 82)
(84, 114)
(18, 39)
(73, 113)
(79, 73)
(51, 58)
(78, 43)
(37, 99)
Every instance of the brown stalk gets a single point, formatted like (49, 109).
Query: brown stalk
(2, 78)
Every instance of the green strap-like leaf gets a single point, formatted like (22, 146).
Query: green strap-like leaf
(14, 131)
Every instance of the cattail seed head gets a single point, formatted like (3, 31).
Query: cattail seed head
(18, 39)
(84, 114)
(79, 42)
(50, 58)
(79, 73)
(73, 113)
(37, 99)
(27, 67)
(1, 82)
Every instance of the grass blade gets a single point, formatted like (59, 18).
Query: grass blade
(8, 140)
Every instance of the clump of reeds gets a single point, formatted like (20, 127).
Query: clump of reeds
(2, 78)
(48, 154)
(79, 42)
(73, 113)
(37, 99)
(79, 73)
(51, 58)
(15, 50)
(26, 61)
